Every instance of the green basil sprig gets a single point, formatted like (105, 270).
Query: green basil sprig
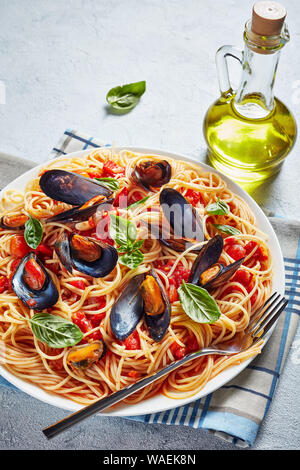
(137, 203)
(110, 183)
(56, 332)
(218, 208)
(127, 96)
(198, 304)
(228, 229)
(124, 233)
(33, 232)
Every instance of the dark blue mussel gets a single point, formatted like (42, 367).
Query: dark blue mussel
(128, 309)
(206, 271)
(68, 187)
(150, 173)
(83, 212)
(33, 284)
(143, 295)
(89, 256)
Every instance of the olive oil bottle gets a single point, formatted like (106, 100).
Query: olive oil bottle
(249, 132)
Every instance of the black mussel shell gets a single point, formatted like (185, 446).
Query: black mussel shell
(128, 309)
(181, 215)
(158, 324)
(224, 274)
(150, 173)
(209, 255)
(85, 355)
(40, 299)
(102, 266)
(68, 187)
(62, 249)
(77, 214)
(16, 226)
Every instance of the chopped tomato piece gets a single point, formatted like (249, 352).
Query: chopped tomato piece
(95, 173)
(243, 277)
(192, 344)
(230, 241)
(78, 284)
(173, 294)
(95, 336)
(31, 302)
(43, 249)
(259, 254)
(79, 318)
(121, 199)
(112, 169)
(135, 197)
(4, 284)
(235, 251)
(96, 319)
(180, 352)
(134, 374)
(18, 246)
(194, 197)
(132, 341)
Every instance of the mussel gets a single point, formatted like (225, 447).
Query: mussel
(152, 174)
(89, 256)
(85, 211)
(83, 356)
(181, 226)
(33, 284)
(206, 271)
(68, 187)
(143, 295)
(13, 222)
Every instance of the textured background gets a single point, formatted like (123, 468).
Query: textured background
(57, 61)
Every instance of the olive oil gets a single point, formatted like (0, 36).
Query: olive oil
(249, 132)
(247, 149)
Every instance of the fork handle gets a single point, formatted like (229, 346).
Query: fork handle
(125, 392)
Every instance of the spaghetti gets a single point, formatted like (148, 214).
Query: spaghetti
(87, 301)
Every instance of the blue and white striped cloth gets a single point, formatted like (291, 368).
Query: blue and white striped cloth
(235, 411)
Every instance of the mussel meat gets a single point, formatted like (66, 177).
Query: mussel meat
(150, 173)
(33, 284)
(128, 309)
(83, 212)
(13, 222)
(83, 356)
(68, 187)
(89, 256)
(206, 271)
(157, 307)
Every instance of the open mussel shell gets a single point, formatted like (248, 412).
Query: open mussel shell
(68, 187)
(128, 309)
(89, 256)
(83, 356)
(182, 217)
(157, 323)
(83, 212)
(209, 255)
(220, 274)
(150, 173)
(25, 285)
(13, 222)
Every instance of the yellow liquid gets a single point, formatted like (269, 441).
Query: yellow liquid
(248, 150)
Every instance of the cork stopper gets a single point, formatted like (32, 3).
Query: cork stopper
(267, 18)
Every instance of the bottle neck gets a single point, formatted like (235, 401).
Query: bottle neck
(255, 98)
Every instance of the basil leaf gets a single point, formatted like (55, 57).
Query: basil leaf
(122, 230)
(137, 203)
(198, 304)
(56, 332)
(228, 229)
(127, 96)
(218, 208)
(33, 232)
(110, 183)
(132, 260)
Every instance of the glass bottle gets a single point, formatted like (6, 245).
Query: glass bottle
(249, 132)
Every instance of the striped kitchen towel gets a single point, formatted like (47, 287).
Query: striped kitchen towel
(236, 410)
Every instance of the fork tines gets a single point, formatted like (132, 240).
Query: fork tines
(267, 315)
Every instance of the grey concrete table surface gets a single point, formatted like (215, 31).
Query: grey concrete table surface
(57, 62)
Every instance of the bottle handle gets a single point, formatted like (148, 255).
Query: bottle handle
(222, 66)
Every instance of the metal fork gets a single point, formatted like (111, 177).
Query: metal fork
(261, 322)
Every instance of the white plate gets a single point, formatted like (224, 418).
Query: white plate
(159, 403)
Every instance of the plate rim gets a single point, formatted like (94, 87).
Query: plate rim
(214, 384)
